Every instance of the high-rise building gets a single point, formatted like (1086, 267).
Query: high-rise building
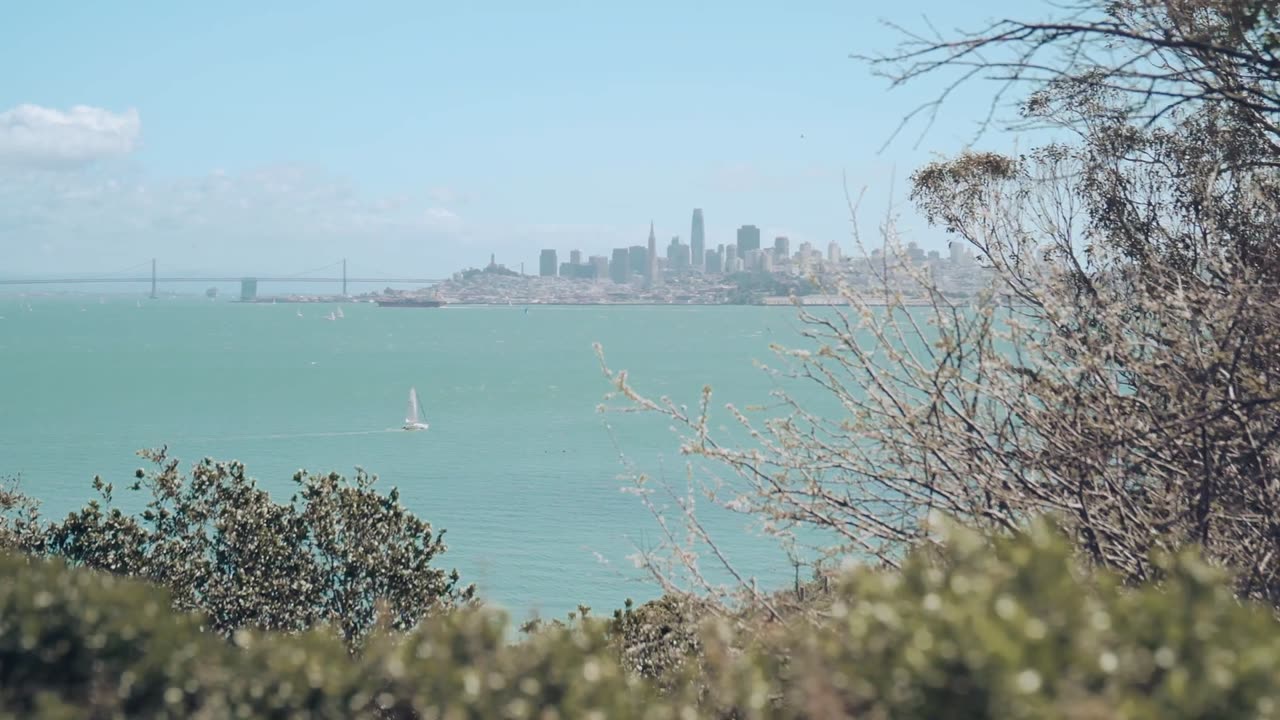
(619, 267)
(781, 249)
(639, 261)
(576, 272)
(575, 257)
(914, 253)
(730, 258)
(547, 264)
(833, 252)
(698, 240)
(714, 264)
(652, 274)
(599, 265)
(678, 255)
(748, 239)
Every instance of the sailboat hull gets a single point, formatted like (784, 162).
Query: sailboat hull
(416, 426)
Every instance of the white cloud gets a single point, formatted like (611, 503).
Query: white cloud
(44, 137)
(442, 216)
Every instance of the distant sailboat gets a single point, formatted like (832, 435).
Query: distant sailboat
(413, 416)
(299, 311)
(340, 315)
(330, 316)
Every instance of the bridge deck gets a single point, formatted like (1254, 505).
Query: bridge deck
(83, 280)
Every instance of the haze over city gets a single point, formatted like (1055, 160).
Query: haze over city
(240, 138)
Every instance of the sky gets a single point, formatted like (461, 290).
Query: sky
(420, 137)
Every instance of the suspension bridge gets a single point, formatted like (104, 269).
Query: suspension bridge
(248, 283)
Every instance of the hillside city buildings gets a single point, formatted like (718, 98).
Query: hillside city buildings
(745, 271)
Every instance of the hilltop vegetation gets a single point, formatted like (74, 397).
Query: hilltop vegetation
(1014, 630)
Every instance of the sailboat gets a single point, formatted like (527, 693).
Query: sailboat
(340, 315)
(413, 416)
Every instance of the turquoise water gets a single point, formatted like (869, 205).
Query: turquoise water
(518, 465)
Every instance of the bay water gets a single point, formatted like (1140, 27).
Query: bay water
(519, 466)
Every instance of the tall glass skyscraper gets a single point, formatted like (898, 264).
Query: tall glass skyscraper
(748, 239)
(698, 240)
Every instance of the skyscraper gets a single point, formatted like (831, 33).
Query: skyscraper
(698, 239)
(678, 255)
(639, 261)
(599, 265)
(547, 264)
(748, 239)
(619, 268)
(714, 265)
(652, 274)
(575, 257)
(781, 249)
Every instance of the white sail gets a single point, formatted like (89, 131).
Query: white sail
(413, 415)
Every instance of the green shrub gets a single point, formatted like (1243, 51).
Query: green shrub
(223, 547)
(1013, 630)
(1018, 631)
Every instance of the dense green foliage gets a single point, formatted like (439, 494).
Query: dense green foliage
(1014, 631)
(222, 546)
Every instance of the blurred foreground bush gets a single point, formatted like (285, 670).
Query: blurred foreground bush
(1018, 632)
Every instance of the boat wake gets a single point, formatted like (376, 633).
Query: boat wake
(290, 436)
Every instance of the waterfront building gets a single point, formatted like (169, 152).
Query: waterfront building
(698, 240)
(620, 268)
(748, 239)
(547, 264)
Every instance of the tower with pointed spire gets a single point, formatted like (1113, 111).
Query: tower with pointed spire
(651, 273)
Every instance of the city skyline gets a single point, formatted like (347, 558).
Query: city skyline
(431, 153)
(581, 254)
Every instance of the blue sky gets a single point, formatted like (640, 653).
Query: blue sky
(420, 135)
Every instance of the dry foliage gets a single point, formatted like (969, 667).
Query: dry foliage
(1118, 374)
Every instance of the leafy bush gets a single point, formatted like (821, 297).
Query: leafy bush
(1010, 629)
(222, 546)
(1018, 630)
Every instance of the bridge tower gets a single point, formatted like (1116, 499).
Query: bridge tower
(344, 277)
(153, 279)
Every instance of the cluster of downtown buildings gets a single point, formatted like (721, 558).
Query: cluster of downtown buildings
(644, 264)
(695, 273)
